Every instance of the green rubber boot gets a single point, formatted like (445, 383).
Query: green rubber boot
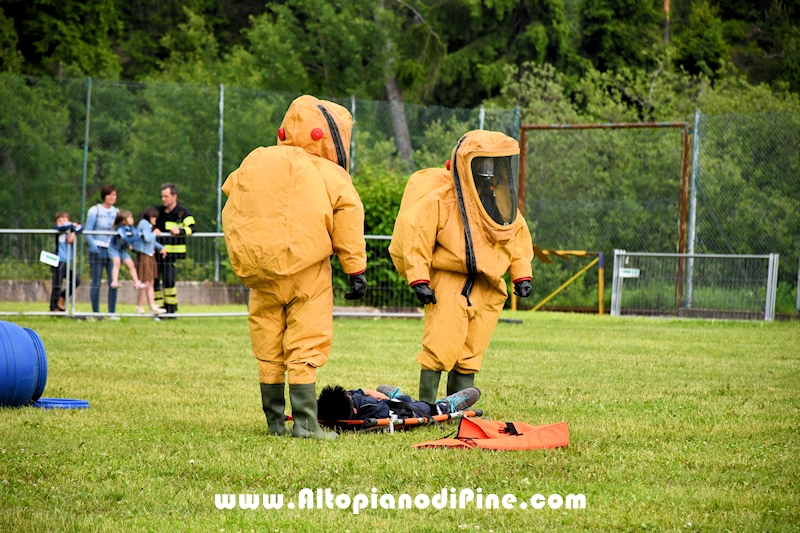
(274, 404)
(304, 412)
(429, 385)
(456, 381)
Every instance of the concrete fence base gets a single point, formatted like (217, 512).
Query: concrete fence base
(189, 292)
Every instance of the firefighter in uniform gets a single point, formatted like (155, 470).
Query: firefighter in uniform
(174, 223)
(290, 208)
(457, 233)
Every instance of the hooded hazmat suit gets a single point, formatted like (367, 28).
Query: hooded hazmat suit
(290, 208)
(459, 231)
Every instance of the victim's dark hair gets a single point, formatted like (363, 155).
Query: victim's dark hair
(334, 403)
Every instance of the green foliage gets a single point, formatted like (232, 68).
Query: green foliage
(39, 150)
(274, 55)
(540, 92)
(546, 95)
(68, 33)
(790, 71)
(11, 59)
(303, 46)
(786, 298)
(763, 40)
(451, 52)
(147, 22)
(438, 141)
(701, 47)
(619, 33)
(381, 192)
(735, 95)
(483, 37)
(193, 53)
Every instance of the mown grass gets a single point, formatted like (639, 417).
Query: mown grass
(675, 426)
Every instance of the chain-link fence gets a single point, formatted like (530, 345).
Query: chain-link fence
(61, 140)
(596, 187)
(747, 190)
(726, 286)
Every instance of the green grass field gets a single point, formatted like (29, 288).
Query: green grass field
(675, 426)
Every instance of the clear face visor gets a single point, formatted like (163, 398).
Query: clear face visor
(496, 180)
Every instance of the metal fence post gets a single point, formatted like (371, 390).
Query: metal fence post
(692, 237)
(616, 283)
(775, 286)
(772, 285)
(797, 305)
(69, 282)
(353, 134)
(600, 274)
(85, 158)
(481, 117)
(219, 180)
(769, 292)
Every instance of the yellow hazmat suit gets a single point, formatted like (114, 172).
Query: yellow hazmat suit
(459, 231)
(290, 208)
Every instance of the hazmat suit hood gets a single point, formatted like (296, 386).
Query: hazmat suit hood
(486, 168)
(320, 128)
(443, 224)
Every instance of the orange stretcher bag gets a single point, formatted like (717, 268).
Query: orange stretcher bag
(494, 435)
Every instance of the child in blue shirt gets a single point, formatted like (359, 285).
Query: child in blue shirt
(65, 249)
(146, 247)
(119, 246)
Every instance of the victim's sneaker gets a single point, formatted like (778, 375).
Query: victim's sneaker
(458, 401)
(388, 390)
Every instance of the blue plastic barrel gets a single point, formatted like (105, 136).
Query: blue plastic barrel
(23, 365)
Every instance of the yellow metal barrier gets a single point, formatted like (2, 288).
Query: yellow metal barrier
(543, 254)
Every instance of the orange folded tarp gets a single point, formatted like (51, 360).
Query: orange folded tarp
(494, 435)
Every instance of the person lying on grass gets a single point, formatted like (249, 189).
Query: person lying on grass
(337, 403)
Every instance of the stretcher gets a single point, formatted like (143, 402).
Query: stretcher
(389, 424)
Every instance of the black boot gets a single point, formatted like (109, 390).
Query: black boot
(274, 404)
(429, 385)
(304, 412)
(457, 381)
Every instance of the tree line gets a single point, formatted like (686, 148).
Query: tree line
(442, 52)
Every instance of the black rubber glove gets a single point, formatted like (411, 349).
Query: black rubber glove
(523, 288)
(358, 286)
(424, 293)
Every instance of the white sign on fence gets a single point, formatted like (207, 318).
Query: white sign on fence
(49, 259)
(629, 272)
